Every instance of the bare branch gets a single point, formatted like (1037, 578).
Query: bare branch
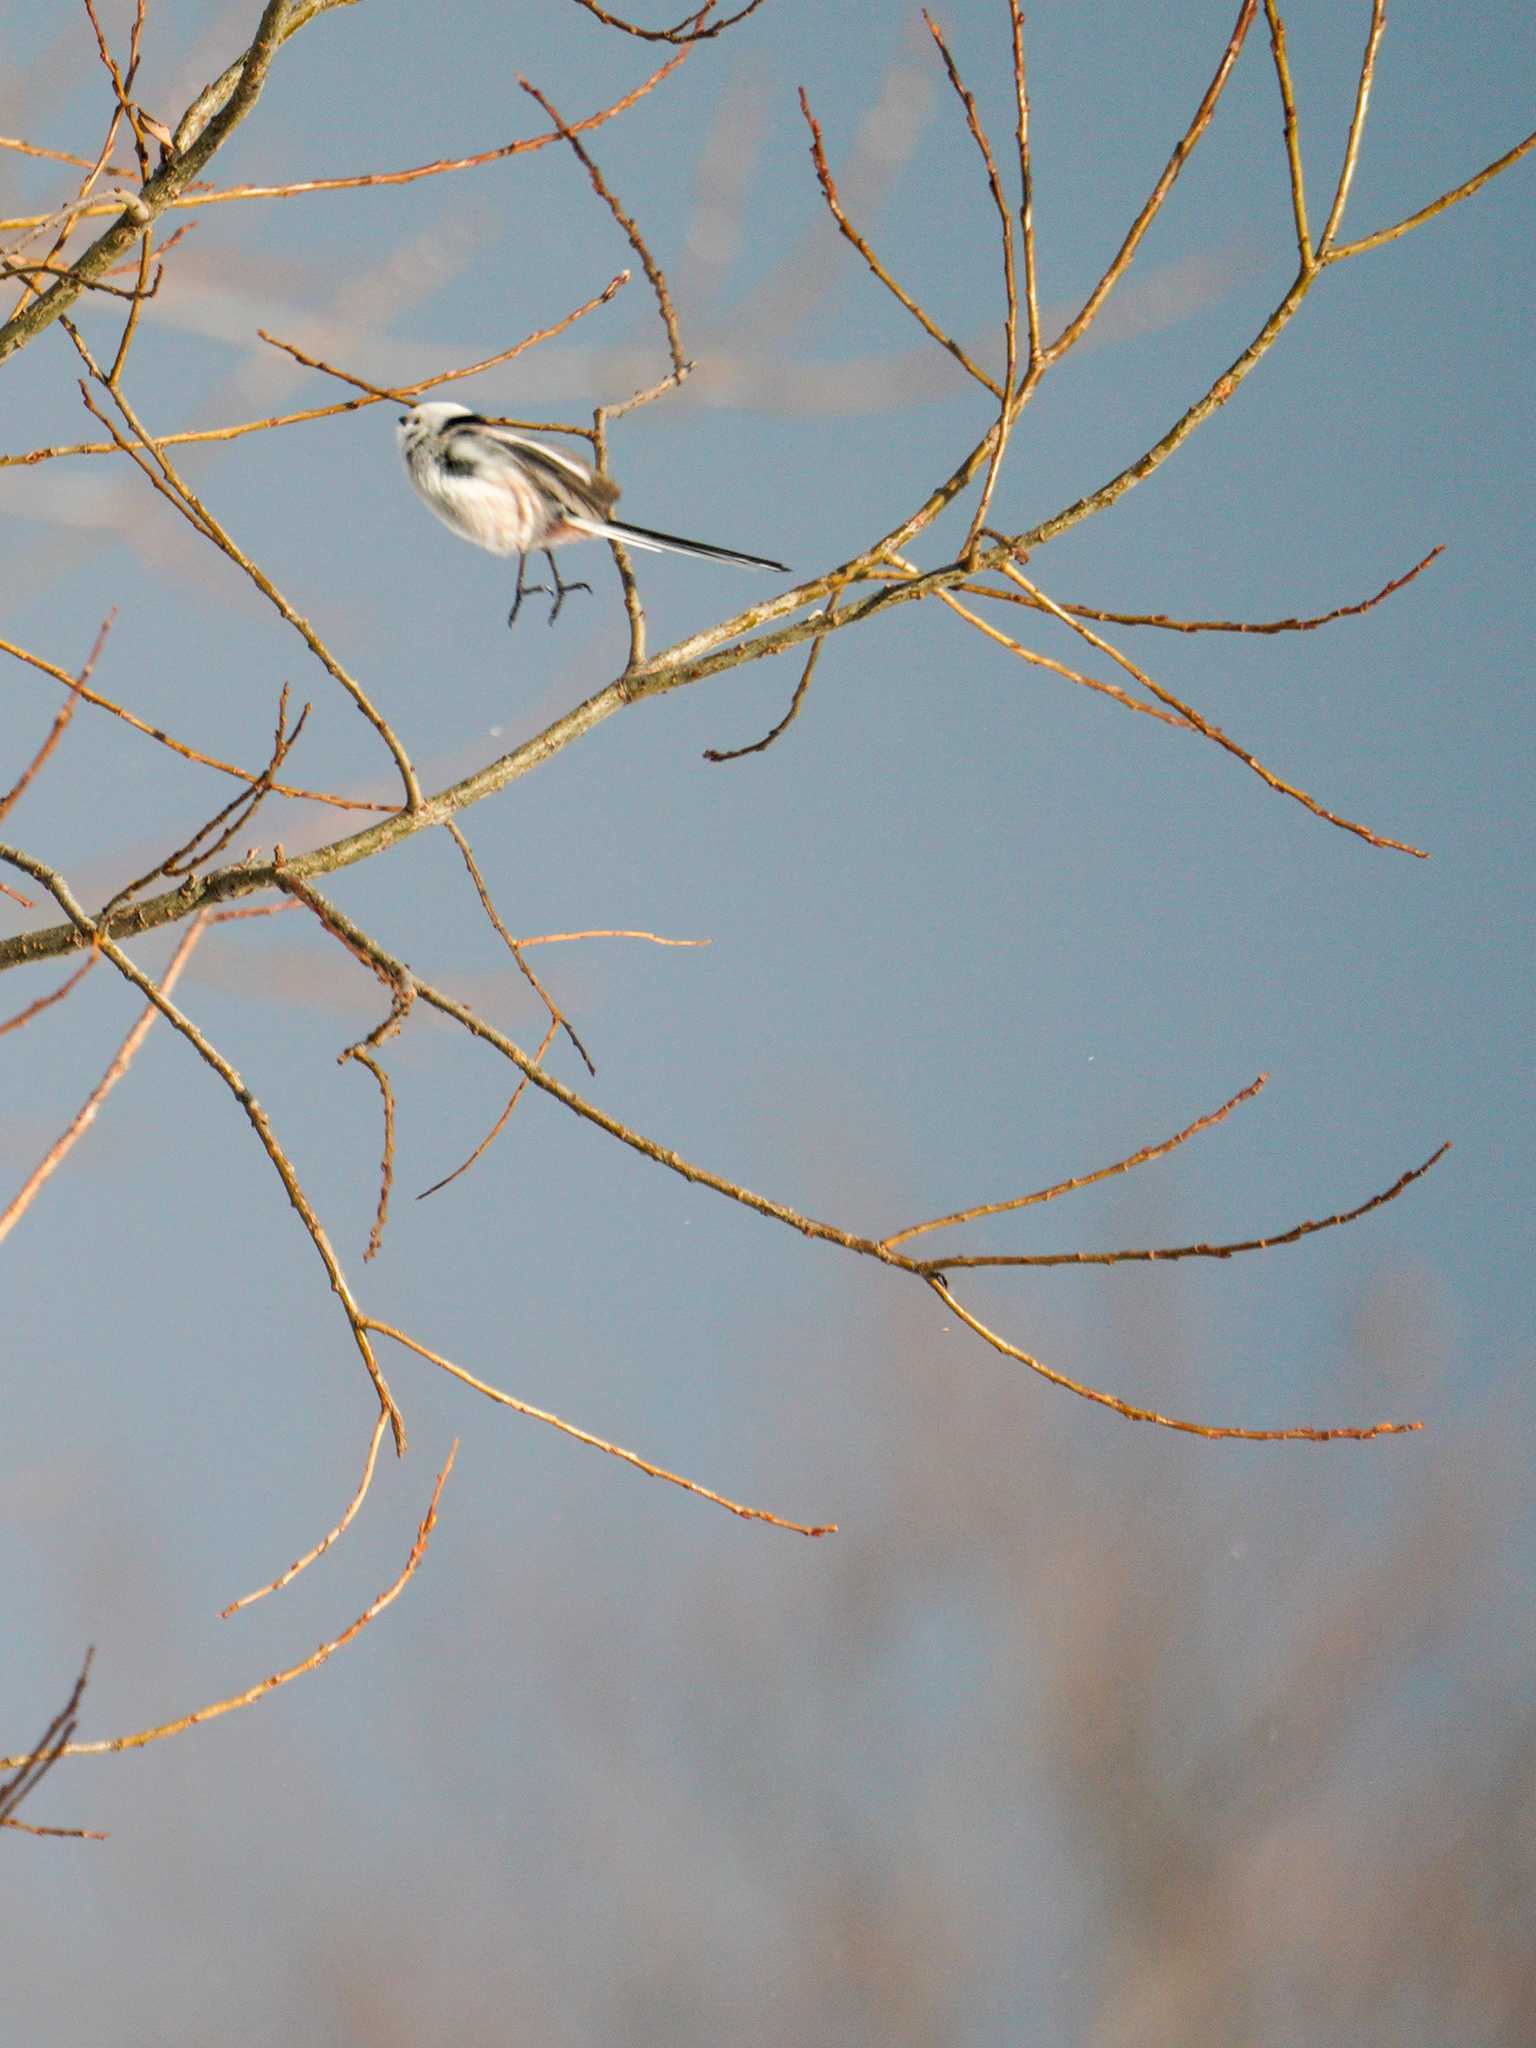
(1214, 732)
(1130, 1413)
(100, 939)
(302, 1563)
(1084, 1180)
(87, 1113)
(597, 1443)
(264, 1688)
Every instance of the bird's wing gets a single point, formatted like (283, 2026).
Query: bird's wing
(569, 482)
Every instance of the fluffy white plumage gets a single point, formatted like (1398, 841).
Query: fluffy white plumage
(515, 496)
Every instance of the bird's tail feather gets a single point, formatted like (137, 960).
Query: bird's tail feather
(670, 544)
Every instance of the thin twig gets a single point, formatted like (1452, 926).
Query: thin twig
(597, 1443)
(200, 195)
(100, 939)
(761, 746)
(565, 938)
(302, 1563)
(653, 270)
(1045, 661)
(265, 1687)
(119, 1064)
(57, 995)
(556, 1015)
(850, 233)
(928, 1271)
(1008, 413)
(155, 732)
(1162, 1254)
(62, 716)
(1093, 305)
(1356, 126)
(179, 493)
(1130, 1413)
(365, 1058)
(31, 1770)
(1214, 732)
(226, 824)
(1282, 63)
(1026, 186)
(691, 29)
(376, 394)
(1084, 1180)
(497, 1128)
(1292, 625)
(1342, 251)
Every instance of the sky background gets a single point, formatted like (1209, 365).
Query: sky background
(1077, 1731)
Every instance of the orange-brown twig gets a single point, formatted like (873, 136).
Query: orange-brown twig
(88, 1111)
(62, 716)
(302, 1563)
(211, 838)
(199, 195)
(1093, 305)
(1026, 185)
(1038, 660)
(374, 394)
(1009, 410)
(928, 1271)
(597, 1443)
(154, 732)
(1162, 1254)
(565, 938)
(1083, 1180)
(405, 393)
(1214, 732)
(898, 291)
(178, 492)
(556, 1015)
(257, 1117)
(365, 1058)
(265, 1687)
(56, 995)
(1291, 625)
(694, 28)
(1130, 1413)
(761, 746)
(497, 1128)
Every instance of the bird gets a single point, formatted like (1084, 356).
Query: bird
(515, 496)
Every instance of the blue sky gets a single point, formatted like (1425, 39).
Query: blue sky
(615, 1763)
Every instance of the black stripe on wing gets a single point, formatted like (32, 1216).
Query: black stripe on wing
(569, 482)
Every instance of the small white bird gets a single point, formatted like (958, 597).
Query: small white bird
(517, 497)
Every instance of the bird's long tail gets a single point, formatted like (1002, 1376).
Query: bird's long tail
(670, 544)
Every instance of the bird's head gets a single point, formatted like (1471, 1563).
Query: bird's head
(423, 421)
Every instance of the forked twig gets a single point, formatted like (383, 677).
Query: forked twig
(1213, 732)
(31, 1770)
(556, 1015)
(101, 940)
(1164, 1254)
